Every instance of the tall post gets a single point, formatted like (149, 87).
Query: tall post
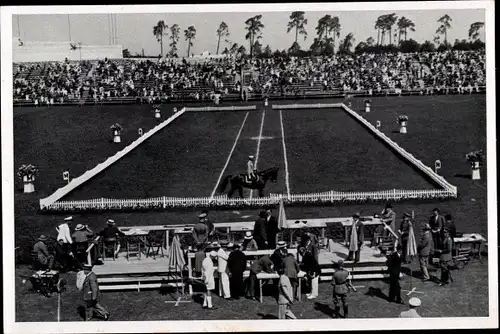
(116, 29)
(109, 29)
(69, 29)
(18, 29)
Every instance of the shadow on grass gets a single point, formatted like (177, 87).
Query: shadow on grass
(198, 298)
(325, 309)
(376, 292)
(80, 310)
(412, 273)
(267, 316)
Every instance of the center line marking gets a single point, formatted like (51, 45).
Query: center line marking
(258, 145)
(230, 154)
(287, 175)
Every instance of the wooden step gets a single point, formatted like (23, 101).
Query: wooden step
(360, 277)
(138, 287)
(137, 279)
(357, 269)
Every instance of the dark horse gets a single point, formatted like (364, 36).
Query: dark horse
(238, 182)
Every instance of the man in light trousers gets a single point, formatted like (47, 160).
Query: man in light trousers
(222, 257)
(285, 296)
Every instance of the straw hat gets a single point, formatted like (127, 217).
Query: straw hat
(281, 244)
(70, 218)
(406, 215)
(213, 254)
(248, 235)
(202, 215)
(415, 302)
(79, 227)
(230, 245)
(111, 222)
(215, 244)
(251, 157)
(43, 237)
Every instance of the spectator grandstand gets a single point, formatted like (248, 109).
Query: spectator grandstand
(150, 81)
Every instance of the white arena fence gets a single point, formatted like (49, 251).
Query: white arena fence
(331, 197)
(52, 202)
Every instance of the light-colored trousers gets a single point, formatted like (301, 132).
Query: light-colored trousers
(224, 279)
(284, 312)
(315, 286)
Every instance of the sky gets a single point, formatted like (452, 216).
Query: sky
(135, 31)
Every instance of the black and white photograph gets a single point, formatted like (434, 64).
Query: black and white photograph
(249, 167)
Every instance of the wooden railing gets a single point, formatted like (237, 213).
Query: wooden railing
(92, 245)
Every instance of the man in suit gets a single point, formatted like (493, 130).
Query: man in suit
(450, 226)
(260, 231)
(424, 249)
(446, 258)
(394, 267)
(110, 235)
(272, 228)
(389, 218)
(200, 230)
(436, 222)
(340, 289)
(414, 303)
(359, 230)
(279, 255)
(310, 266)
(292, 269)
(91, 294)
(404, 234)
(263, 264)
(285, 296)
(44, 258)
(311, 243)
(237, 264)
(209, 223)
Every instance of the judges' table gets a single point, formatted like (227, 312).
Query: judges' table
(370, 224)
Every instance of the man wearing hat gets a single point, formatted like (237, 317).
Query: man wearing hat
(310, 266)
(208, 222)
(340, 289)
(260, 231)
(358, 227)
(110, 235)
(64, 234)
(389, 218)
(237, 264)
(272, 228)
(414, 302)
(436, 222)
(394, 267)
(263, 264)
(200, 230)
(446, 258)
(292, 271)
(249, 243)
(404, 233)
(279, 254)
(285, 296)
(90, 295)
(45, 259)
(450, 226)
(251, 171)
(424, 249)
(222, 258)
(207, 276)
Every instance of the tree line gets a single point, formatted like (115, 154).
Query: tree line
(392, 36)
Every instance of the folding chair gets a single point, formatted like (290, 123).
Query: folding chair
(154, 242)
(110, 244)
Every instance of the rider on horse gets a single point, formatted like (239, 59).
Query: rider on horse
(251, 171)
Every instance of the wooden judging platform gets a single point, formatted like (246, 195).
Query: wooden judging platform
(155, 273)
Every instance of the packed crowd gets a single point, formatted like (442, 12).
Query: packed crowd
(229, 261)
(460, 71)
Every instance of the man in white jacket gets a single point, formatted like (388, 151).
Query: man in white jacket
(64, 234)
(207, 271)
(222, 257)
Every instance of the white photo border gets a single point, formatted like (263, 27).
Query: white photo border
(236, 325)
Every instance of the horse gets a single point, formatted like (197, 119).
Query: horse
(238, 182)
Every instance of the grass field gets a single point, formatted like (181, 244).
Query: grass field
(76, 139)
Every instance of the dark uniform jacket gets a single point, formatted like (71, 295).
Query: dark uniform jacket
(41, 251)
(446, 254)
(262, 264)
(260, 233)
(310, 265)
(291, 266)
(394, 265)
(237, 262)
(437, 223)
(339, 282)
(111, 232)
(277, 257)
(272, 231)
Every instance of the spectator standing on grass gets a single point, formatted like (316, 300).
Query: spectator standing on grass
(222, 258)
(414, 303)
(260, 231)
(86, 282)
(292, 269)
(199, 256)
(237, 264)
(425, 249)
(394, 267)
(446, 258)
(285, 296)
(404, 234)
(208, 279)
(200, 230)
(264, 264)
(340, 289)
(310, 266)
(450, 226)
(358, 228)
(436, 222)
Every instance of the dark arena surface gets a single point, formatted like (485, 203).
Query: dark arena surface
(325, 150)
